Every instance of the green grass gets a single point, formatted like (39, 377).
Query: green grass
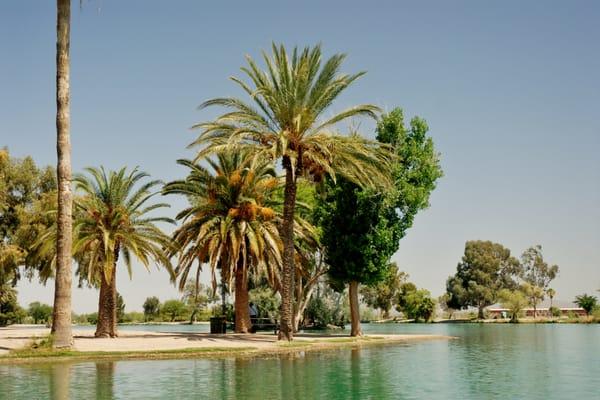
(40, 350)
(31, 354)
(296, 344)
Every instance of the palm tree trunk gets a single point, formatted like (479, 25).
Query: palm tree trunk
(286, 329)
(242, 313)
(113, 300)
(104, 324)
(355, 329)
(61, 316)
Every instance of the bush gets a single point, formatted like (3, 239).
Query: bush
(321, 311)
(92, 318)
(266, 302)
(133, 317)
(596, 314)
(555, 311)
(419, 305)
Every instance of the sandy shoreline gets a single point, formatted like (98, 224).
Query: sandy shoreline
(14, 338)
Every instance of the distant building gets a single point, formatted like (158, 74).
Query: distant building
(497, 312)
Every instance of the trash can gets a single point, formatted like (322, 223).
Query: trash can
(218, 325)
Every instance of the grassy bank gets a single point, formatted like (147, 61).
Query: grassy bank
(36, 353)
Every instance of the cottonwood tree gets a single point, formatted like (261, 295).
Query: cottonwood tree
(362, 227)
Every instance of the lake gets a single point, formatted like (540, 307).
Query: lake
(487, 361)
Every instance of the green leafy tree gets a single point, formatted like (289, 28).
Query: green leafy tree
(587, 302)
(267, 302)
(120, 308)
(533, 293)
(174, 309)
(515, 301)
(362, 227)
(416, 169)
(418, 305)
(382, 295)
(537, 273)
(197, 297)
(10, 311)
(25, 193)
(286, 121)
(39, 312)
(151, 308)
(92, 318)
(485, 269)
(231, 224)
(359, 235)
(327, 307)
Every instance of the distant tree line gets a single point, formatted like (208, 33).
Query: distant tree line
(488, 274)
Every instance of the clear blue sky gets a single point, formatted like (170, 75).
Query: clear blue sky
(511, 91)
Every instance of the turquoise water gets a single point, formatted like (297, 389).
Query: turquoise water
(486, 362)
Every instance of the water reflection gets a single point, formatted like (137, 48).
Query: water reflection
(60, 380)
(105, 380)
(492, 362)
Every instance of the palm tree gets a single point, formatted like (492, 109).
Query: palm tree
(230, 224)
(61, 318)
(551, 293)
(113, 220)
(286, 122)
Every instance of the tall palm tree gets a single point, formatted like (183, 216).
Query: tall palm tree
(61, 316)
(114, 219)
(285, 121)
(230, 224)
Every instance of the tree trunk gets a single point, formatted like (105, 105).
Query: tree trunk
(242, 314)
(534, 310)
(298, 300)
(113, 298)
(480, 312)
(107, 302)
(61, 315)
(354, 310)
(104, 324)
(286, 329)
(302, 302)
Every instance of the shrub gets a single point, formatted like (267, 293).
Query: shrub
(92, 318)
(555, 311)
